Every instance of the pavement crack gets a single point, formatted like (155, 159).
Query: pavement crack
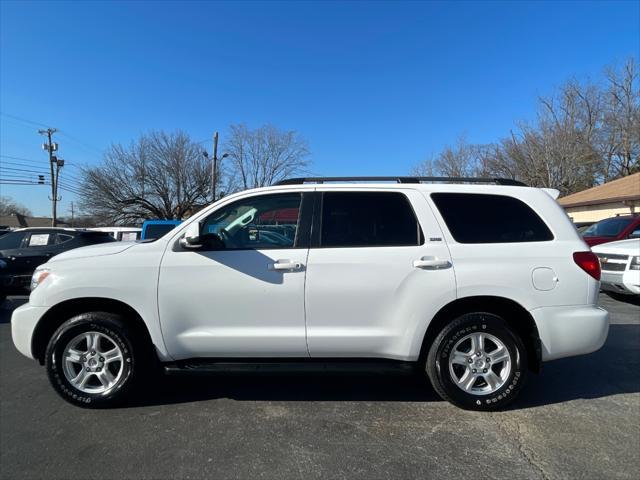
(514, 434)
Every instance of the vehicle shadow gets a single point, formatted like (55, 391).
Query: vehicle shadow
(610, 371)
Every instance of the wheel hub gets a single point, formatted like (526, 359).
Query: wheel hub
(93, 362)
(480, 363)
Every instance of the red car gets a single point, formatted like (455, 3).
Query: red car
(612, 229)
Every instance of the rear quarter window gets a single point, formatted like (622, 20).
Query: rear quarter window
(483, 218)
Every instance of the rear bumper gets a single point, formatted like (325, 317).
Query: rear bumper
(570, 331)
(23, 324)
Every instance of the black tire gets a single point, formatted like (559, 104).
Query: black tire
(133, 361)
(437, 362)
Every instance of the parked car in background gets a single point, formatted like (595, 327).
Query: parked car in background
(122, 234)
(152, 229)
(612, 229)
(582, 226)
(620, 264)
(25, 249)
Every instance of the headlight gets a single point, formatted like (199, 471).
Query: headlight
(635, 263)
(38, 277)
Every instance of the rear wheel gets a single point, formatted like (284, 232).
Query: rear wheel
(477, 362)
(92, 360)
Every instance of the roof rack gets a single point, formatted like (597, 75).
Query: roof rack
(496, 181)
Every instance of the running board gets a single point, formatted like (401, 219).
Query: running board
(288, 367)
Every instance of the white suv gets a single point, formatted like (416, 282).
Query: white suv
(472, 284)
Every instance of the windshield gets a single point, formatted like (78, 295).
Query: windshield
(610, 227)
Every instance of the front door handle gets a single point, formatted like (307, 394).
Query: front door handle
(285, 265)
(431, 263)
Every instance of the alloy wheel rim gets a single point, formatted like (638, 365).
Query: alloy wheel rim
(480, 364)
(92, 362)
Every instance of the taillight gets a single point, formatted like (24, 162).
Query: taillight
(589, 262)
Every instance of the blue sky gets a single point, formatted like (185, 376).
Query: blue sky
(375, 87)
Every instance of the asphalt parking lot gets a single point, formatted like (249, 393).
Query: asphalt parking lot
(580, 418)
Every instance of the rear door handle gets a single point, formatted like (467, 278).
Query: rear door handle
(431, 263)
(285, 265)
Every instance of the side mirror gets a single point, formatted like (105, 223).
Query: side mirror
(191, 237)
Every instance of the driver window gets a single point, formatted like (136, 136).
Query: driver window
(268, 221)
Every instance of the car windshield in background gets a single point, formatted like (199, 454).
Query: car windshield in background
(158, 230)
(94, 237)
(607, 228)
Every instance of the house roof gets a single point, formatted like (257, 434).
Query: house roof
(625, 188)
(22, 221)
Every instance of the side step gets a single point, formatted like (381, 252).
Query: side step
(290, 367)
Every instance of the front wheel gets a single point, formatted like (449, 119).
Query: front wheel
(477, 362)
(91, 361)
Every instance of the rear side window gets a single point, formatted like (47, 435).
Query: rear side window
(63, 237)
(480, 218)
(368, 219)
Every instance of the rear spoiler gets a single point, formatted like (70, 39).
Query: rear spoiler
(552, 192)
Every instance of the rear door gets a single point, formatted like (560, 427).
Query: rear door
(378, 270)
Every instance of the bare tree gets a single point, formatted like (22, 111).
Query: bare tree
(263, 156)
(584, 134)
(161, 175)
(9, 207)
(460, 160)
(620, 139)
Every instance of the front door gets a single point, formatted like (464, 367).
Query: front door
(242, 293)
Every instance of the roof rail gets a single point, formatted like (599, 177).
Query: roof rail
(496, 181)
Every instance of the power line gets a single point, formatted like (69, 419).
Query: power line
(15, 117)
(61, 132)
(80, 142)
(20, 181)
(27, 165)
(38, 171)
(39, 162)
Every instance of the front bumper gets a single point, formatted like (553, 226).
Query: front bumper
(570, 331)
(627, 282)
(15, 284)
(23, 324)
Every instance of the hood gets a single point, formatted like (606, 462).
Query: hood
(625, 247)
(98, 250)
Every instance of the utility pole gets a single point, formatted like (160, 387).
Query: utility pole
(72, 214)
(51, 147)
(214, 166)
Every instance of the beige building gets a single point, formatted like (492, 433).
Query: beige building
(618, 197)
